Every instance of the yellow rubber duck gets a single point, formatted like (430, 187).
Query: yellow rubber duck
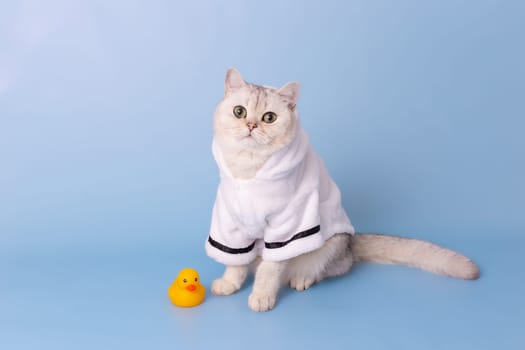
(187, 290)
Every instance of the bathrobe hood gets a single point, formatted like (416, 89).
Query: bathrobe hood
(278, 165)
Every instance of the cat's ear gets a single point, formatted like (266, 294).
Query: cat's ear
(291, 92)
(234, 81)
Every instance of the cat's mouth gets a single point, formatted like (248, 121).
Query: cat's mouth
(252, 139)
(249, 140)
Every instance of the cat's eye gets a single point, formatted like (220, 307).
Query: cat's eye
(239, 112)
(184, 280)
(269, 117)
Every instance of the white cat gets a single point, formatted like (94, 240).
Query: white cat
(278, 209)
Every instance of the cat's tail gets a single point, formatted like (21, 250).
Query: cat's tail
(412, 252)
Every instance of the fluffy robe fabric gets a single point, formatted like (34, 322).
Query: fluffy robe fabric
(289, 208)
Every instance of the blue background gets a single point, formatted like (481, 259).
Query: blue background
(107, 179)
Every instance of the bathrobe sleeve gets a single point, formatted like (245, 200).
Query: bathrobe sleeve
(294, 230)
(227, 243)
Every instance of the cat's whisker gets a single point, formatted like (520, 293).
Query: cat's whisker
(261, 137)
(239, 132)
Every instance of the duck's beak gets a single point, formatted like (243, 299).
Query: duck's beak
(191, 287)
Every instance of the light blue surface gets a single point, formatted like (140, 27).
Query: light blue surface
(107, 180)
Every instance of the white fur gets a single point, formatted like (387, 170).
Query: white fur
(415, 253)
(231, 281)
(267, 282)
(245, 152)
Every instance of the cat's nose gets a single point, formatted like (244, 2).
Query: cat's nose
(251, 125)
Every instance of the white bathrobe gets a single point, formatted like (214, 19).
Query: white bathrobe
(289, 208)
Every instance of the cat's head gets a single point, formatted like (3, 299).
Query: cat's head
(254, 117)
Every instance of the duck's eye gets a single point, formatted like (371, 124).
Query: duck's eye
(269, 117)
(239, 112)
(184, 280)
(196, 279)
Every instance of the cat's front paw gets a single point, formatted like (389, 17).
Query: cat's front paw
(301, 283)
(261, 302)
(223, 287)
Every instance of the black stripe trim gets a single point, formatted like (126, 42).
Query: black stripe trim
(309, 232)
(230, 250)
